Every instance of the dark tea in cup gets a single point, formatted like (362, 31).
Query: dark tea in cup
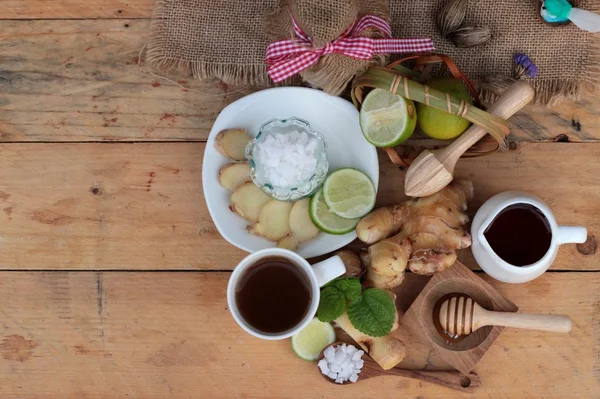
(273, 295)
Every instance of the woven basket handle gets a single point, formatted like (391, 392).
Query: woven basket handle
(422, 60)
(485, 146)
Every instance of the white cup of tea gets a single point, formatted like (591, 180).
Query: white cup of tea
(521, 247)
(274, 293)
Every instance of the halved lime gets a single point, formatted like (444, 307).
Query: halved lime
(349, 193)
(326, 221)
(311, 340)
(387, 119)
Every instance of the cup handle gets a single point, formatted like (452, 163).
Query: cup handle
(329, 269)
(571, 235)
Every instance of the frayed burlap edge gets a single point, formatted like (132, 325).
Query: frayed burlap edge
(233, 74)
(552, 92)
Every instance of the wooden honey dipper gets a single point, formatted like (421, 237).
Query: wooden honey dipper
(461, 315)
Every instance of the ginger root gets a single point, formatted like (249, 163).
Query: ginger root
(387, 351)
(350, 259)
(248, 200)
(427, 232)
(233, 175)
(447, 205)
(301, 227)
(231, 143)
(273, 221)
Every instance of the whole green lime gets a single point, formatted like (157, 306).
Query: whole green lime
(439, 124)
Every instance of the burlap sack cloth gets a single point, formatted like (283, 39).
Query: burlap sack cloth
(226, 39)
(324, 21)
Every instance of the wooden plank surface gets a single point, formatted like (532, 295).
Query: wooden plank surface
(141, 206)
(65, 9)
(158, 335)
(79, 81)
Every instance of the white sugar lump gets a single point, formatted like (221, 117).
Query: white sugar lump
(342, 363)
(356, 356)
(346, 363)
(323, 365)
(287, 159)
(340, 357)
(329, 353)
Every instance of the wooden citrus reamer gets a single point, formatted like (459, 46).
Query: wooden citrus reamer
(433, 170)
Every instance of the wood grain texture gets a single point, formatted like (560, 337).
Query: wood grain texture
(79, 81)
(141, 206)
(157, 335)
(65, 9)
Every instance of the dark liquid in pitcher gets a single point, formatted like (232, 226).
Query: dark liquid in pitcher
(273, 295)
(520, 234)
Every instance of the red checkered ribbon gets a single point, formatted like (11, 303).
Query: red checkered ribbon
(288, 57)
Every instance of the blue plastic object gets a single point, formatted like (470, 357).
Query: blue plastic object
(556, 10)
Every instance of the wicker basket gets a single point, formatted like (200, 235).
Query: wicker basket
(422, 68)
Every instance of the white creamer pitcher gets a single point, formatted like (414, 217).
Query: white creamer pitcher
(495, 266)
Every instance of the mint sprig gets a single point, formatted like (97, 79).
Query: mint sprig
(335, 296)
(373, 313)
(350, 286)
(331, 305)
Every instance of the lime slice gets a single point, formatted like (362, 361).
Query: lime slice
(326, 221)
(387, 119)
(311, 340)
(349, 193)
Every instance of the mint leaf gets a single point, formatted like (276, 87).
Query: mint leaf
(331, 305)
(350, 286)
(373, 313)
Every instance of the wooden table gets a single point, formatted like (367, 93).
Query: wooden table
(113, 275)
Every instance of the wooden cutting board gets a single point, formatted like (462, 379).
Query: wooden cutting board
(421, 352)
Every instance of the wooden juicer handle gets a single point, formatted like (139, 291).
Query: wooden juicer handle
(517, 96)
(433, 170)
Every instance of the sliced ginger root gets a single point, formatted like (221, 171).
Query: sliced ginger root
(231, 143)
(422, 234)
(248, 200)
(233, 175)
(301, 227)
(273, 220)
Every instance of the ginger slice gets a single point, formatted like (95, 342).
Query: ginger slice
(273, 221)
(231, 143)
(234, 174)
(247, 201)
(301, 227)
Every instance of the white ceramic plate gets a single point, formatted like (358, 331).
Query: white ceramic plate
(336, 119)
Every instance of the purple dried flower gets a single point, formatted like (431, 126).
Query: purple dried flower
(519, 57)
(532, 71)
(524, 66)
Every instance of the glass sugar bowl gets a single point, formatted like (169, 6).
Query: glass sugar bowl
(288, 159)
